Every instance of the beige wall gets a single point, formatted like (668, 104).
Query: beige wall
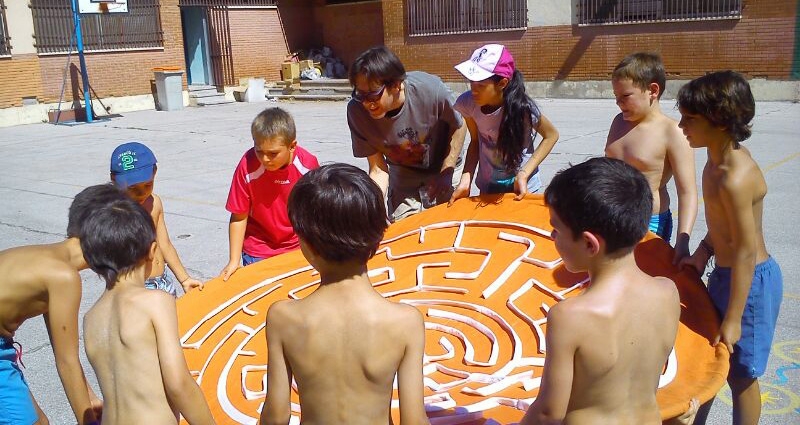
(20, 26)
(545, 13)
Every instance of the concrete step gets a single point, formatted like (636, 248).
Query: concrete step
(212, 101)
(205, 93)
(200, 87)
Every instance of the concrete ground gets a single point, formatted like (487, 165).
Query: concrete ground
(42, 166)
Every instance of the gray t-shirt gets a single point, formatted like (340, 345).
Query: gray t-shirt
(416, 140)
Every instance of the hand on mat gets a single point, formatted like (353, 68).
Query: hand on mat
(687, 418)
(462, 191)
(729, 333)
(441, 185)
(228, 270)
(682, 249)
(191, 283)
(697, 261)
(520, 186)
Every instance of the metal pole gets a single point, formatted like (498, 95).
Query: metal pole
(76, 17)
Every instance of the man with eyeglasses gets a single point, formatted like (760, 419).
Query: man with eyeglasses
(406, 127)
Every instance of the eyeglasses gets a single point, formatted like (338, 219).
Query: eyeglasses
(372, 96)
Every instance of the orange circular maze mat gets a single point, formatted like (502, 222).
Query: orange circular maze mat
(484, 273)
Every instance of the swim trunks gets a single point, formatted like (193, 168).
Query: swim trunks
(661, 225)
(16, 406)
(749, 358)
(163, 282)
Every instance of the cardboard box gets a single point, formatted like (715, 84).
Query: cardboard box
(306, 64)
(290, 71)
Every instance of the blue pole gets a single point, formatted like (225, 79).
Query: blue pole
(76, 17)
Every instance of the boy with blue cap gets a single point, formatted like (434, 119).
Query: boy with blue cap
(133, 169)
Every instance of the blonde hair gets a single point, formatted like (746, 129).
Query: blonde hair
(273, 122)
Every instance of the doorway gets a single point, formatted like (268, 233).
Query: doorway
(196, 45)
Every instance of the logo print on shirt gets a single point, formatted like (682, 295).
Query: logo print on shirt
(281, 181)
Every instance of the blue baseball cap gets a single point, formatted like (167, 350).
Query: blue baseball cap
(132, 163)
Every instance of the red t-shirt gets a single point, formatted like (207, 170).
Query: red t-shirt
(263, 195)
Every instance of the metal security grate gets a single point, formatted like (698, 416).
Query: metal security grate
(54, 29)
(233, 3)
(5, 40)
(599, 12)
(438, 17)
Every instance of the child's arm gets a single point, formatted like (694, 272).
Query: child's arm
(443, 182)
(236, 230)
(277, 407)
(181, 390)
(169, 252)
(549, 138)
(64, 296)
(737, 202)
(409, 373)
(700, 257)
(470, 163)
(550, 406)
(681, 157)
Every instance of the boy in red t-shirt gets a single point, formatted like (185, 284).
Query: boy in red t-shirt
(259, 227)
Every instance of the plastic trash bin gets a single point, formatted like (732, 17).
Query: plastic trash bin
(169, 88)
(255, 90)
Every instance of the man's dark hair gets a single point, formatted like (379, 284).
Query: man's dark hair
(724, 99)
(88, 200)
(378, 64)
(604, 196)
(338, 211)
(116, 238)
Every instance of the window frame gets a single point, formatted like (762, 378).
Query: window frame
(626, 12)
(425, 18)
(5, 37)
(138, 29)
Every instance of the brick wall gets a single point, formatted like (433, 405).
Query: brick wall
(257, 43)
(336, 25)
(111, 74)
(761, 44)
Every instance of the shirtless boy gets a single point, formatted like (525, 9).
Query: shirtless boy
(645, 138)
(344, 343)
(605, 353)
(131, 333)
(44, 280)
(133, 169)
(746, 285)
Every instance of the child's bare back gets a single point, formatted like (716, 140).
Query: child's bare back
(620, 345)
(344, 344)
(122, 346)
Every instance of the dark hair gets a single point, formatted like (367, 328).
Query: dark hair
(87, 201)
(642, 69)
(273, 122)
(339, 211)
(724, 99)
(116, 238)
(604, 196)
(378, 64)
(515, 127)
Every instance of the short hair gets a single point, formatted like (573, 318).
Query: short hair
(378, 64)
(88, 200)
(642, 69)
(339, 211)
(604, 196)
(273, 122)
(116, 238)
(724, 99)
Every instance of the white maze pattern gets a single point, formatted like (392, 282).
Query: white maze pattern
(490, 350)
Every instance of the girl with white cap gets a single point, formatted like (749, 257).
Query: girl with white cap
(502, 121)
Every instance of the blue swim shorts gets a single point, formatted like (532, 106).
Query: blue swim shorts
(749, 359)
(163, 282)
(16, 406)
(661, 225)
(248, 259)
